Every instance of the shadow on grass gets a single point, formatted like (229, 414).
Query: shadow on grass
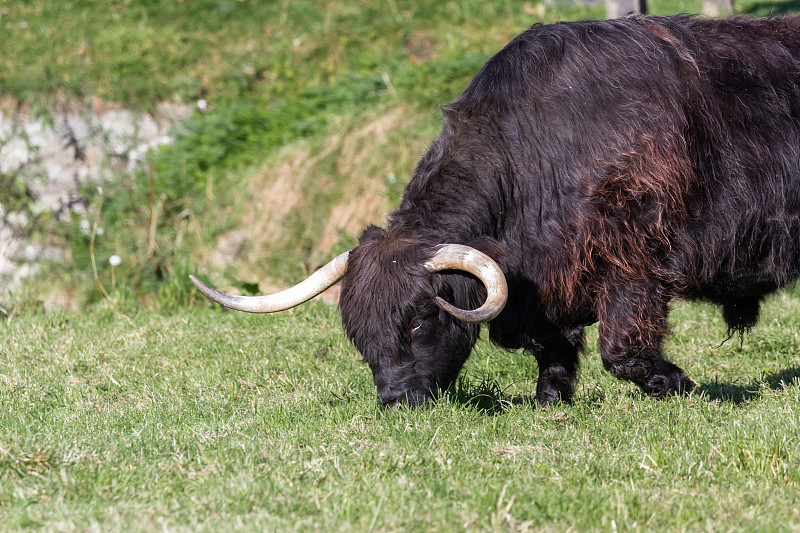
(768, 9)
(486, 396)
(737, 394)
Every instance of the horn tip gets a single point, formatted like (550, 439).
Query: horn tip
(200, 285)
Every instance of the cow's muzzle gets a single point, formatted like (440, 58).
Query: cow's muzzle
(407, 399)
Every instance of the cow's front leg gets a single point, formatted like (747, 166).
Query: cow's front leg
(632, 324)
(557, 356)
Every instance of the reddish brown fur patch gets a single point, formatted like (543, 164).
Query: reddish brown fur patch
(636, 210)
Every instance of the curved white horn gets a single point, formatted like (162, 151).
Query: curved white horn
(286, 299)
(460, 257)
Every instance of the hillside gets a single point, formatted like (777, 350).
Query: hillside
(305, 124)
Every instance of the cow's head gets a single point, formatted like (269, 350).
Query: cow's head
(406, 305)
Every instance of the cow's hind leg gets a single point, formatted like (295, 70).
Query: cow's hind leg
(632, 324)
(557, 356)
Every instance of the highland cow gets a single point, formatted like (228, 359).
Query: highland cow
(591, 172)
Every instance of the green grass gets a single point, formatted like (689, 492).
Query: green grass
(141, 52)
(129, 420)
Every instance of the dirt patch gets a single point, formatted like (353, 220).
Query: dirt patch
(272, 193)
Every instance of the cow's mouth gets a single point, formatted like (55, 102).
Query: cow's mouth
(408, 399)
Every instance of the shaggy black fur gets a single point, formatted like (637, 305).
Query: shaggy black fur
(610, 167)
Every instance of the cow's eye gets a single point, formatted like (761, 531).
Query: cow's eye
(416, 326)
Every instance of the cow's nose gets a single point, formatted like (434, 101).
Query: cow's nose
(393, 404)
(409, 398)
(390, 405)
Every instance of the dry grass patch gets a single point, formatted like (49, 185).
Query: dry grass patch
(332, 188)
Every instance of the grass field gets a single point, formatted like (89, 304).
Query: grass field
(209, 420)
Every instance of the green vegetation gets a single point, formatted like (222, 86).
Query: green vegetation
(275, 75)
(149, 410)
(139, 52)
(211, 420)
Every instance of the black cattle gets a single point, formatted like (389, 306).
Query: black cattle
(597, 171)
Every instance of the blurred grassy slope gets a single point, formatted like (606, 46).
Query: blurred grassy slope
(139, 52)
(317, 115)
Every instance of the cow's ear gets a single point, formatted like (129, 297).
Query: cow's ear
(492, 248)
(371, 234)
